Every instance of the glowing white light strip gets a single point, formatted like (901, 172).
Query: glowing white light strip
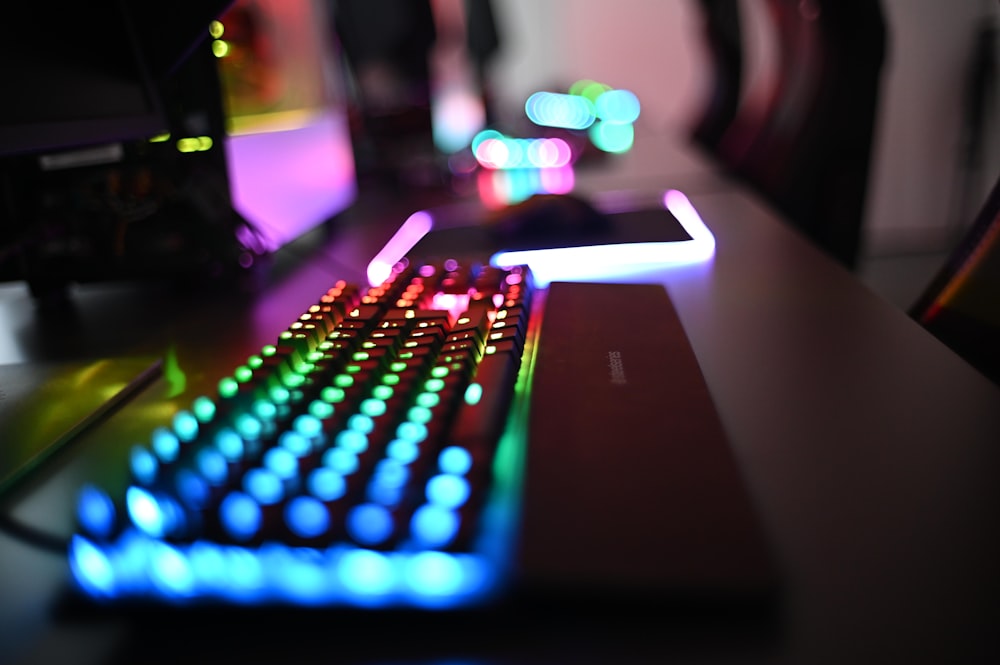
(413, 229)
(567, 263)
(603, 260)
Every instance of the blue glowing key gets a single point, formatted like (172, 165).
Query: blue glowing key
(171, 570)
(240, 515)
(230, 444)
(308, 426)
(282, 462)
(326, 484)
(341, 460)
(295, 443)
(352, 441)
(265, 409)
(212, 465)
(208, 563)
(435, 574)
(366, 573)
(306, 516)
(263, 485)
(360, 422)
(144, 465)
(95, 511)
(447, 491)
(165, 444)
(91, 567)
(455, 460)
(186, 426)
(403, 450)
(248, 427)
(369, 524)
(191, 488)
(433, 526)
(428, 400)
(384, 495)
(154, 516)
(391, 473)
(246, 572)
(412, 431)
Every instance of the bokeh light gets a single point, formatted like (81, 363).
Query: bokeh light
(553, 109)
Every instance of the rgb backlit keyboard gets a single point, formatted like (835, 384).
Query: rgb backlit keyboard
(361, 459)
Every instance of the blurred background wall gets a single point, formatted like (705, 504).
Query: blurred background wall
(652, 47)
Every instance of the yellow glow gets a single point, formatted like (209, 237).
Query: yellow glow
(220, 48)
(187, 145)
(276, 121)
(160, 138)
(194, 144)
(215, 28)
(88, 374)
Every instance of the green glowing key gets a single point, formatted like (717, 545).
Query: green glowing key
(332, 394)
(228, 387)
(428, 400)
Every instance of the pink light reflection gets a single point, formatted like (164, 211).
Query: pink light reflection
(409, 234)
(286, 182)
(498, 188)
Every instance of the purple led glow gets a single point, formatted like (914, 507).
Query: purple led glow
(586, 262)
(595, 261)
(285, 182)
(557, 181)
(413, 229)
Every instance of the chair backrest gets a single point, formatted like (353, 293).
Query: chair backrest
(808, 153)
(961, 306)
(724, 45)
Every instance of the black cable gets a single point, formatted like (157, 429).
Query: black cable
(33, 536)
(38, 538)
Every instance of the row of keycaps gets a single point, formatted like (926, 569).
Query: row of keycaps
(337, 430)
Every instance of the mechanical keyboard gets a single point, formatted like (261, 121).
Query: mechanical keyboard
(454, 437)
(360, 459)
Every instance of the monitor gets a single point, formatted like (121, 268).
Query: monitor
(73, 76)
